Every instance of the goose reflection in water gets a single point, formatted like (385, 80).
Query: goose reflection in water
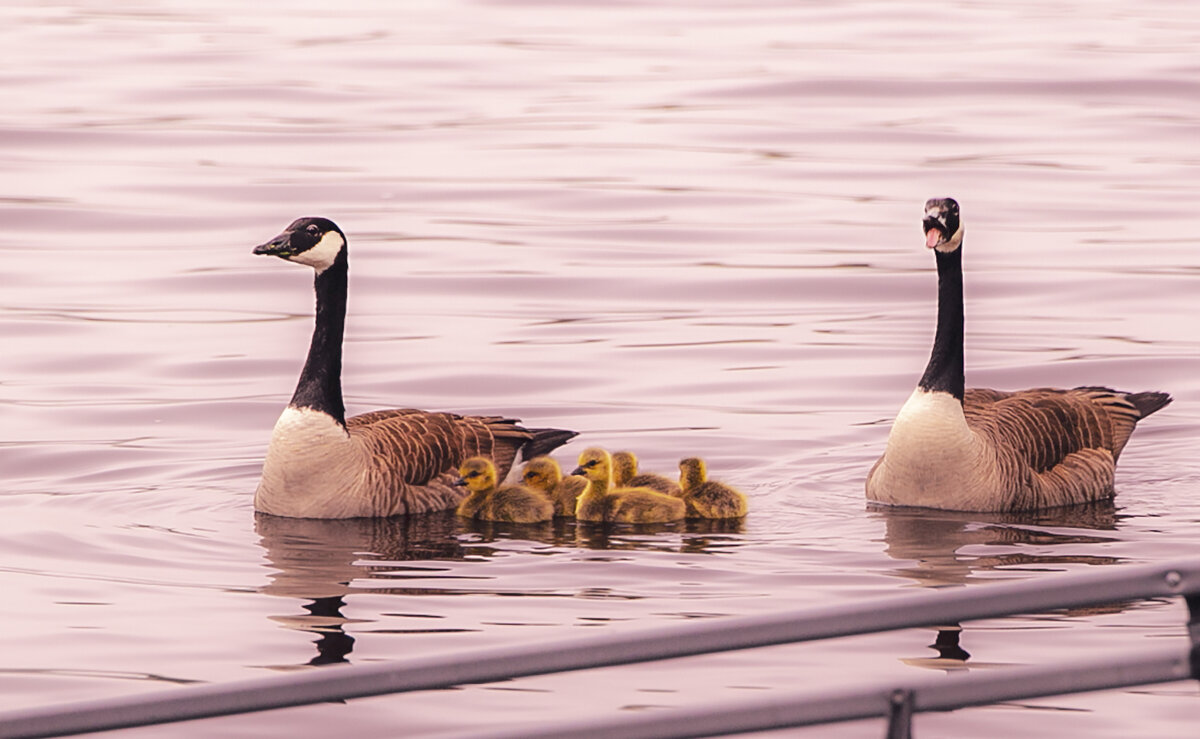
(932, 542)
(323, 562)
(319, 559)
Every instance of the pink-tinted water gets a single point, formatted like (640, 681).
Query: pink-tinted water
(683, 228)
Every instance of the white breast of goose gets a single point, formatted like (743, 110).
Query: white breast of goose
(313, 469)
(933, 459)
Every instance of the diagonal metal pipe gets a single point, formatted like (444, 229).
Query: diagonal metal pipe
(500, 663)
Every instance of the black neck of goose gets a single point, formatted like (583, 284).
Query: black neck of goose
(320, 385)
(944, 373)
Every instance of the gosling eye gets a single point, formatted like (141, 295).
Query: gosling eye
(591, 463)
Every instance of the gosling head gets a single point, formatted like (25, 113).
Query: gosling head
(595, 464)
(625, 466)
(692, 471)
(478, 474)
(943, 227)
(316, 242)
(541, 473)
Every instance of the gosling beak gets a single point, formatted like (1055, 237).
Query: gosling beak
(280, 246)
(577, 471)
(459, 483)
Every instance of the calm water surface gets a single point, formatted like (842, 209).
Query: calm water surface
(682, 228)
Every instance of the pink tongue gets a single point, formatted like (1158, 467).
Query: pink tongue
(932, 237)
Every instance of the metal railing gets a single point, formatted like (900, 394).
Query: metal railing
(897, 702)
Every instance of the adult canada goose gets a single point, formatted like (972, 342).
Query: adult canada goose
(509, 503)
(987, 450)
(625, 475)
(545, 474)
(708, 498)
(602, 502)
(321, 464)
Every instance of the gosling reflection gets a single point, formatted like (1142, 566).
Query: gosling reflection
(692, 536)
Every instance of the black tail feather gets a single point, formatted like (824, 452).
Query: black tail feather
(545, 441)
(1148, 402)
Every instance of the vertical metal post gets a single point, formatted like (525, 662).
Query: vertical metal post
(1193, 604)
(1175, 582)
(900, 714)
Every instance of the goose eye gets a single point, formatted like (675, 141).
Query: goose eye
(312, 228)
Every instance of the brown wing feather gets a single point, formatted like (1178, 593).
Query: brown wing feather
(1042, 426)
(419, 445)
(1059, 446)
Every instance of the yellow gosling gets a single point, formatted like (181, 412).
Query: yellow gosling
(545, 475)
(508, 503)
(707, 498)
(602, 502)
(625, 475)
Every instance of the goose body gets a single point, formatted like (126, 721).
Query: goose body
(508, 503)
(989, 450)
(625, 474)
(706, 498)
(602, 502)
(320, 464)
(545, 474)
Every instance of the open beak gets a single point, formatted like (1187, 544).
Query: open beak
(935, 230)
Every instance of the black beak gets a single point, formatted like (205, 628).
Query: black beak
(280, 246)
(577, 471)
(459, 483)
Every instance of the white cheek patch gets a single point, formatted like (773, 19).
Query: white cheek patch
(951, 243)
(321, 256)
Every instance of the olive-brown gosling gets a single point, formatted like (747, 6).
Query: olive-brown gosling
(602, 502)
(625, 475)
(544, 474)
(707, 498)
(507, 503)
